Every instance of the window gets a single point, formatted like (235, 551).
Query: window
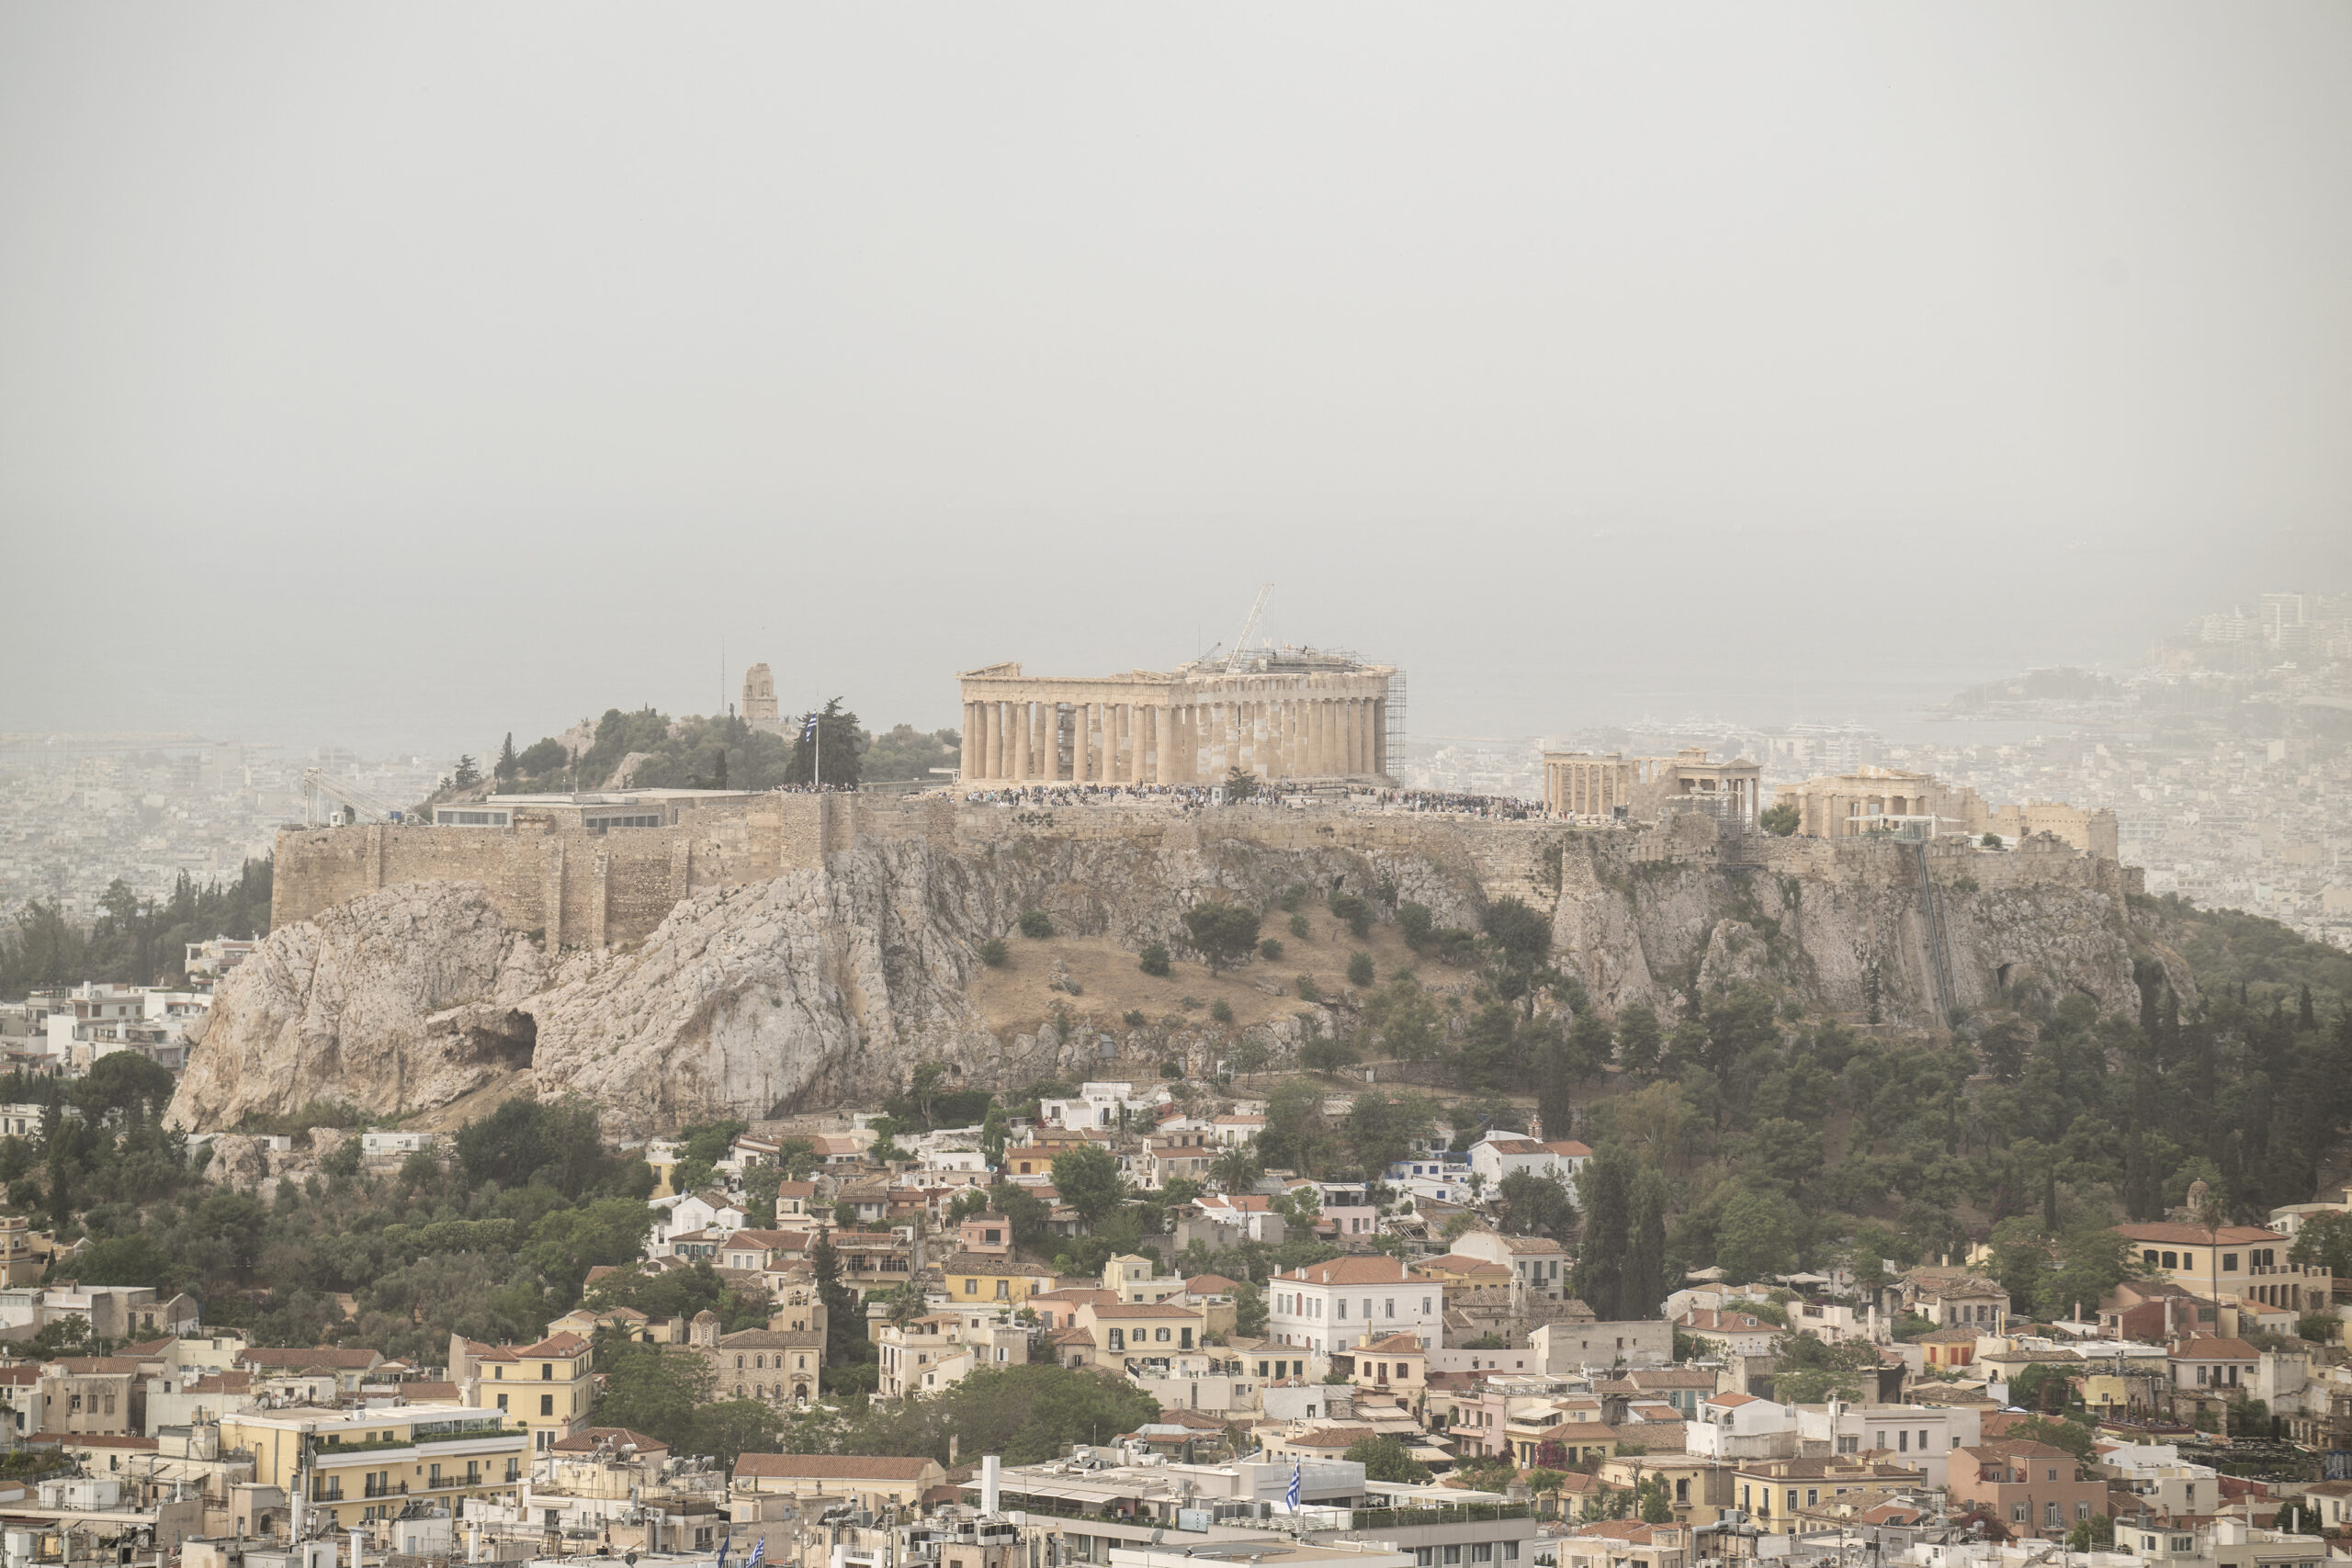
(2229, 1263)
(971, 1286)
(2172, 1260)
(1392, 1307)
(2050, 1516)
(1923, 1439)
(1902, 1442)
(1813, 1497)
(739, 1363)
(547, 1371)
(547, 1404)
(2082, 1510)
(2017, 1513)
(1452, 1555)
(2053, 1473)
(1483, 1551)
(1793, 1499)
(501, 1402)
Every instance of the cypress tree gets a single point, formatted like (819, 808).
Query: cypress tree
(1643, 1290)
(1601, 1265)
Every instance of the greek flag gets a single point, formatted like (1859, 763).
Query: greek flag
(759, 1553)
(809, 728)
(1290, 1493)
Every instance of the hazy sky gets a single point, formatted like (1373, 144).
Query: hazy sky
(404, 375)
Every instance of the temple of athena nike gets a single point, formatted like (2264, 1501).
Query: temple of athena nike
(1295, 714)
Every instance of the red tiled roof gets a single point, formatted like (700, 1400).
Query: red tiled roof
(2210, 1350)
(92, 1440)
(1358, 1271)
(2162, 1231)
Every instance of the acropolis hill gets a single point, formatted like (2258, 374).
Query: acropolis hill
(788, 951)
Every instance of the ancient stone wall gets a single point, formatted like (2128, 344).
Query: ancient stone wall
(586, 890)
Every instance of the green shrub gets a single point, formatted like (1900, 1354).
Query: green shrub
(1307, 991)
(1353, 913)
(1154, 958)
(1299, 926)
(993, 952)
(1270, 949)
(1188, 1003)
(1036, 924)
(1135, 1019)
(1221, 1010)
(1291, 897)
(1416, 922)
(1359, 969)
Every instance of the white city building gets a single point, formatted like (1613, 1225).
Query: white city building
(1329, 1306)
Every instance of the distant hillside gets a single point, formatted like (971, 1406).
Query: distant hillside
(2228, 948)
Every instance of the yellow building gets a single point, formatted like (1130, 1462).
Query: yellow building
(546, 1387)
(358, 1466)
(983, 1277)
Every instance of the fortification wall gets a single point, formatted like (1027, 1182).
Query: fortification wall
(590, 890)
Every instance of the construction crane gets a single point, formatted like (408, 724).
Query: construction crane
(1242, 641)
(357, 805)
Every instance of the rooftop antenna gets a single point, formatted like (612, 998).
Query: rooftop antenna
(1241, 638)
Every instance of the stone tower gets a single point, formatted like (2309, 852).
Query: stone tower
(759, 699)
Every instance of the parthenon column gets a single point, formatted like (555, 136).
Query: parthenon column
(1152, 731)
(1081, 744)
(964, 768)
(1360, 735)
(992, 741)
(1021, 728)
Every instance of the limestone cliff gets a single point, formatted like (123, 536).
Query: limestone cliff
(824, 984)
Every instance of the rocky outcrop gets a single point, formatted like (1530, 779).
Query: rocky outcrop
(824, 986)
(403, 999)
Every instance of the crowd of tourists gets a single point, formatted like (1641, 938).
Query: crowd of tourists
(1188, 797)
(1499, 807)
(1194, 798)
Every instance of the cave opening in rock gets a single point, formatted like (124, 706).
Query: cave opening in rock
(509, 1039)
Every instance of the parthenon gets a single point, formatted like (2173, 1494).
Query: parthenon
(1310, 716)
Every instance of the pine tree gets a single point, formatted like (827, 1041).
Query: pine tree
(508, 766)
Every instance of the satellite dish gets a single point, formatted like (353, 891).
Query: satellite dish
(630, 1558)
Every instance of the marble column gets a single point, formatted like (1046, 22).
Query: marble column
(1082, 743)
(1021, 724)
(992, 741)
(1152, 734)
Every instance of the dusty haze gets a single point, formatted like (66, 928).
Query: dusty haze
(409, 376)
